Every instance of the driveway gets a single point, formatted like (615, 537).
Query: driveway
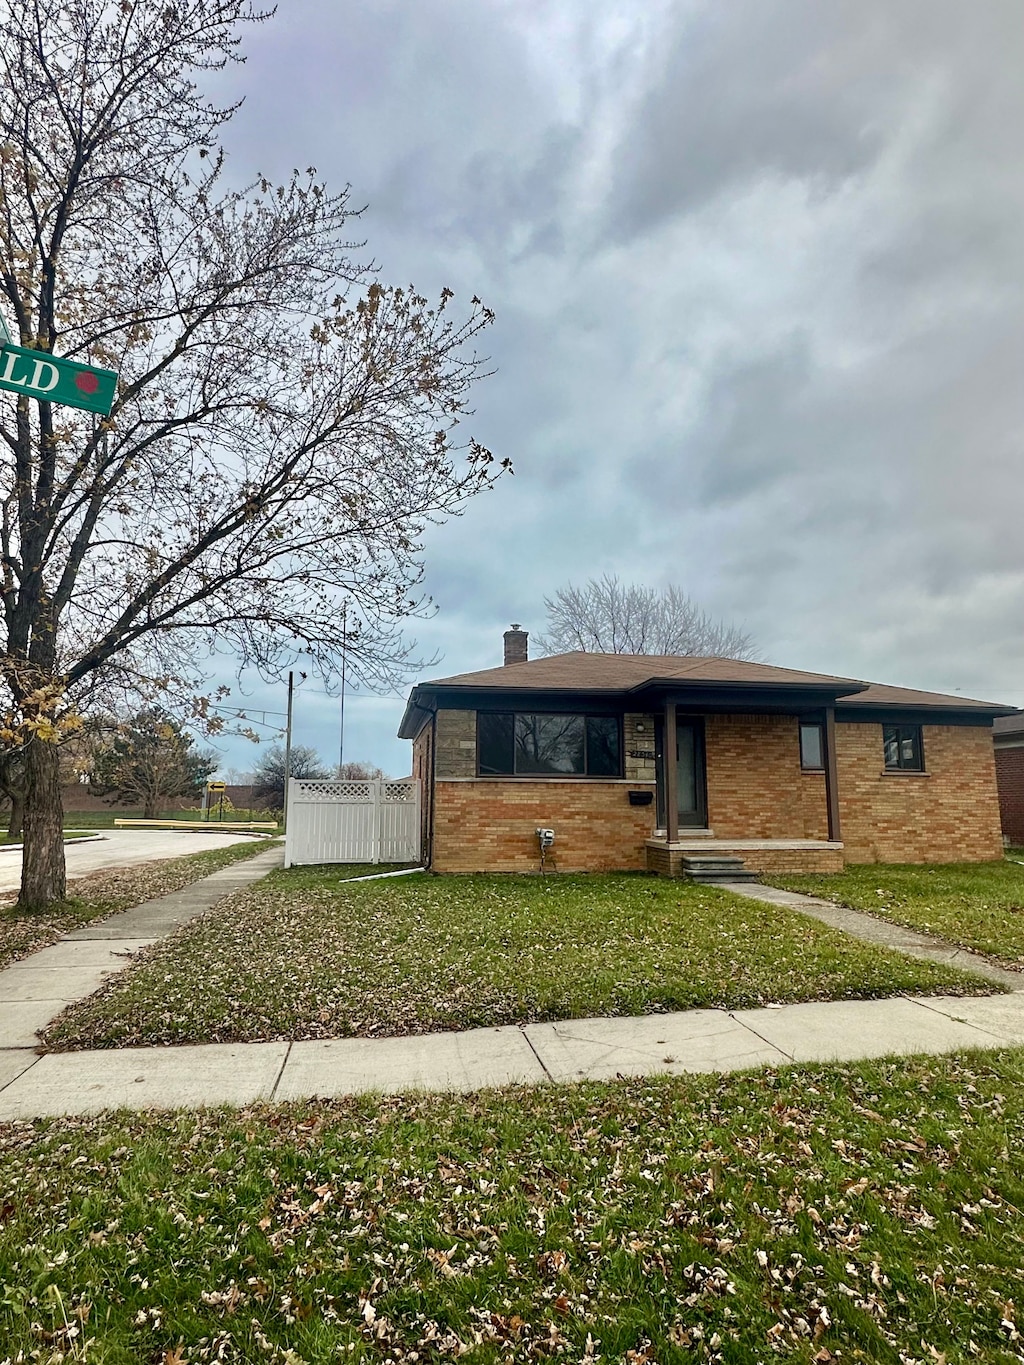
(120, 848)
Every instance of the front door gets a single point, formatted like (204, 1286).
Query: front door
(691, 786)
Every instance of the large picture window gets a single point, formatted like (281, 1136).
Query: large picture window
(902, 748)
(542, 744)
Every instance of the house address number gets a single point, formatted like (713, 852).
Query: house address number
(641, 753)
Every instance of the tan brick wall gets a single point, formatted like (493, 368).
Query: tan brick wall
(779, 860)
(1010, 781)
(949, 814)
(669, 862)
(756, 790)
(456, 744)
(756, 787)
(490, 826)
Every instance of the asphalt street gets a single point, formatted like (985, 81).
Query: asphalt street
(120, 848)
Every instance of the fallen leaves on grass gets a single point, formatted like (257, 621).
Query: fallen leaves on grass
(99, 894)
(308, 955)
(868, 1213)
(974, 905)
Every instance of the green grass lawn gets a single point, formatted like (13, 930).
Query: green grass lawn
(975, 905)
(303, 954)
(103, 893)
(868, 1213)
(104, 819)
(69, 833)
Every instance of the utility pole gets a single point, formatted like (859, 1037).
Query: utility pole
(288, 747)
(344, 656)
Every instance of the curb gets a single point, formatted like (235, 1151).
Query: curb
(88, 839)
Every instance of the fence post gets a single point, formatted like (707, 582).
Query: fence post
(288, 836)
(378, 815)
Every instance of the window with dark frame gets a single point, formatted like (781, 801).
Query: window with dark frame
(540, 744)
(902, 747)
(812, 745)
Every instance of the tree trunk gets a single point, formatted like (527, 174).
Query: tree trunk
(42, 871)
(16, 823)
(149, 810)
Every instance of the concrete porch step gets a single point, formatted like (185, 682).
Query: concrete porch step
(712, 867)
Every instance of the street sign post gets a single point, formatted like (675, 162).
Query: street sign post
(216, 789)
(54, 379)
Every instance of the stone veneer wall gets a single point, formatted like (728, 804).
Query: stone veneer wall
(456, 744)
(756, 787)
(949, 813)
(638, 748)
(422, 770)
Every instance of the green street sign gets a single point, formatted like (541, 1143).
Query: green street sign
(53, 379)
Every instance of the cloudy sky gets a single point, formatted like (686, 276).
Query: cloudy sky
(758, 271)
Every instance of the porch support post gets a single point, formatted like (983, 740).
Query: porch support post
(671, 775)
(831, 775)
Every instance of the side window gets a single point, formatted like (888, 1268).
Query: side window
(902, 747)
(812, 745)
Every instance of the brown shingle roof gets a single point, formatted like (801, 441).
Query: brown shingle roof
(583, 673)
(879, 694)
(580, 672)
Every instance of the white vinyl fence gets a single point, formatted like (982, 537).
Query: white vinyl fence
(352, 822)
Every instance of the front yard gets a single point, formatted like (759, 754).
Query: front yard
(303, 954)
(867, 1213)
(975, 905)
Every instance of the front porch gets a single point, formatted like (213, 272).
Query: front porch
(747, 772)
(764, 856)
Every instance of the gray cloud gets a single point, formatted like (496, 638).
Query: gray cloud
(758, 273)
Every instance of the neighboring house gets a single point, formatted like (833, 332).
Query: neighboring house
(1008, 733)
(790, 771)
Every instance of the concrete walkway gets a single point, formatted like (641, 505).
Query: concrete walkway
(35, 990)
(857, 924)
(712, 1040)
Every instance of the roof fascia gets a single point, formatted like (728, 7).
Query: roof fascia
(877, 713)
(415, 716)
(667, 686)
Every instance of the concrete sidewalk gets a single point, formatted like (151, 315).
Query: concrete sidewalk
(34, 991)
(537, 1054)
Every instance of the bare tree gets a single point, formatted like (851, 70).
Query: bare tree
(268, 782)
(607, 616)
(358, 772)
(284, 424)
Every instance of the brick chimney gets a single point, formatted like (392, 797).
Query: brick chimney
(515, 645)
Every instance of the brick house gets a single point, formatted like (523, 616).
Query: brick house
(791, 771)
(1008, 733)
